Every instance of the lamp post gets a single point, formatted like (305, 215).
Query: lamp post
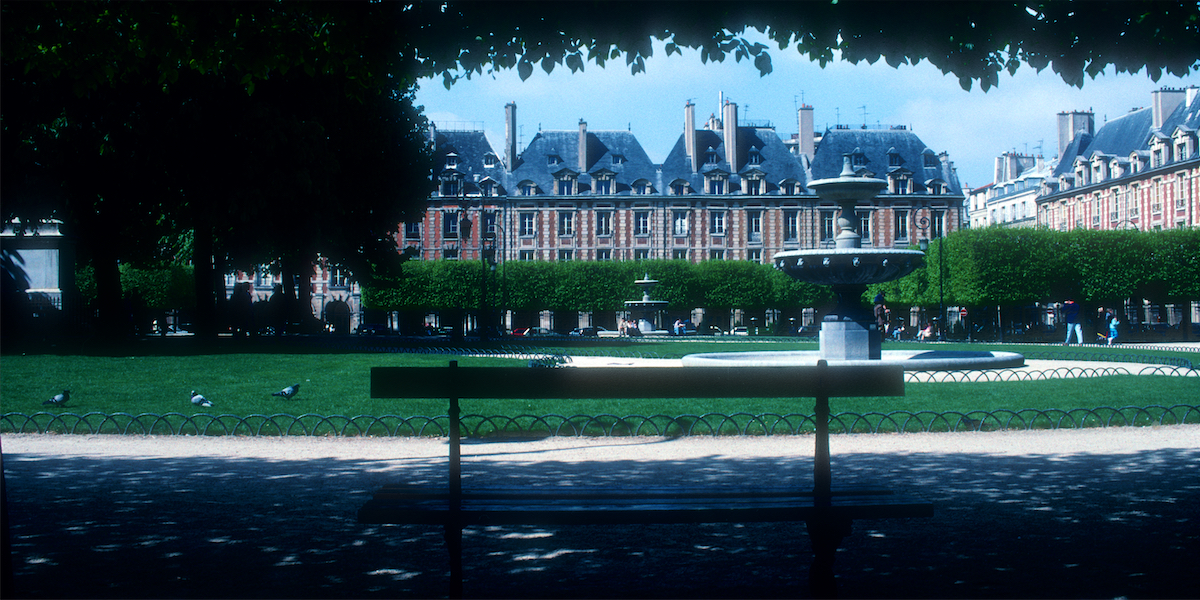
(923, 224)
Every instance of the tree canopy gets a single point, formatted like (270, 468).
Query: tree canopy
(269, 132)
(974, 41)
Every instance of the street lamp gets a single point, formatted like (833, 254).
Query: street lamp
(923, 224)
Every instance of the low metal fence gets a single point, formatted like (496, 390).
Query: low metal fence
(604, 425)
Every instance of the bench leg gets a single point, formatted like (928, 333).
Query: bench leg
(826, 536)
(453, 535)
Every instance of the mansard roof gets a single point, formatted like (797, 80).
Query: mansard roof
(776, 162)
(602, 146)
(470, 147)
(875, 145)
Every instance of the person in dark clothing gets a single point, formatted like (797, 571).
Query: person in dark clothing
(1071, 313)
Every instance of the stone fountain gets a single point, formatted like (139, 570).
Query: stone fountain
(646, 310)
(849, 333)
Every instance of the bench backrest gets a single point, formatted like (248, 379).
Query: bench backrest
(650, 382)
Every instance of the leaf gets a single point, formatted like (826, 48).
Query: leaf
(524, 69)
(763, 63)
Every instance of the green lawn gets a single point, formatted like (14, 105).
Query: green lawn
(337, 384)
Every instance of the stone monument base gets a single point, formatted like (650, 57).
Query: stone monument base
(849, 340)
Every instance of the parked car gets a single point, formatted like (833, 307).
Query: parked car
(532, 332)
(739, 331)
(593, 332)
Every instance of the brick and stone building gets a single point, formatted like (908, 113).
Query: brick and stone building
(727, 190)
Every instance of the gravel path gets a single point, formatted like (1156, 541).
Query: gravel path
(1044, 514)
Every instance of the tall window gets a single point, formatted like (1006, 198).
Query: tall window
(604, 254)
(754, 255)
(641, 255)
(901, 232)
(450, 254)
(641, 222)
(412, 230)
(604, 223)
(716, 255)
(566, 223)
(939, 223)
(526, 224)
(791, 225)
(679, 222)
(716, 186)
(679, 254)
(828, 228)
(566, 255)
(566, 186)
(864, 226)
(717, 222)
(754, 226)
(603, 186)
(753, 187)
(450, 224)
(525, 255)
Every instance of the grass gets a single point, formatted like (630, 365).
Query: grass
(337, 384)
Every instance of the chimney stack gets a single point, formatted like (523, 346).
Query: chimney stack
(1070, 124)
(1165, 101)
(689, 135)
(730, 126)
(510, 136)
(583, 157)
(806, 145)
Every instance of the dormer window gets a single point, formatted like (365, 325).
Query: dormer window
(617, 159)
(788, 188)
(642, 187)
(490, 160)
(603, 186)
(528, 188)
(450, 187)
(930, 159)
(893, 158)
(755, 157)
(553, 160)
(487, 188)
(565, 185)
(451, 161)
(711, 158)
(679, 188)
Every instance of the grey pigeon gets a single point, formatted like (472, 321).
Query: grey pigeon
(199, 400)
(59, 399)
(288, 391)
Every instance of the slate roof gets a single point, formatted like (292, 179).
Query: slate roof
(875, 145)
(602, 146)
(777, 163)
(470, 147)
(1127, 134)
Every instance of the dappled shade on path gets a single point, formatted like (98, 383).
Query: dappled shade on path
(1081, 525)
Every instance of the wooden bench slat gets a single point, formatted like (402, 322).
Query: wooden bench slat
(617, 382)
(399, 491)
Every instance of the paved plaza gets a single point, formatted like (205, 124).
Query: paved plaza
(1036, 514)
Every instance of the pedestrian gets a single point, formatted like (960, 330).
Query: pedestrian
(880, 313)
(1113, 322)
(678, 326)
(1071, 313)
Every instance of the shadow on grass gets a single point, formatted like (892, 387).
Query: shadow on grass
(235, 527)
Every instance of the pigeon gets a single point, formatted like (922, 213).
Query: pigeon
(59, 399)
(199, 400)
(288, 391)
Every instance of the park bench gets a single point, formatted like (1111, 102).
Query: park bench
(827, 511)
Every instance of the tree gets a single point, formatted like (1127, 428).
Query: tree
(260, 127)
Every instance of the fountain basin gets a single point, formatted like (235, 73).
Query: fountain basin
(839, 266)
(909, 360)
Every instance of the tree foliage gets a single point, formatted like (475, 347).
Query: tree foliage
(974, 41)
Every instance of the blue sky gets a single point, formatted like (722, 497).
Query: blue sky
(973, 127)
